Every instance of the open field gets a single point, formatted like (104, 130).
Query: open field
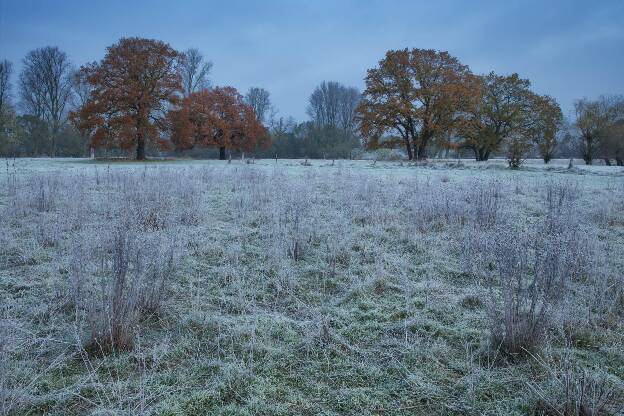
(275, 288)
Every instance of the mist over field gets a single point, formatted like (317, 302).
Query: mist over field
(322, 208)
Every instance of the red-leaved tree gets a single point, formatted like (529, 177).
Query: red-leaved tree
(132, 88)
(217, 117)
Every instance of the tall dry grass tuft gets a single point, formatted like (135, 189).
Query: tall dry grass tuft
(571, 390)
(129, 274)
(529, 271)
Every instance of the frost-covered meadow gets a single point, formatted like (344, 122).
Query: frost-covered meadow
(342, 287)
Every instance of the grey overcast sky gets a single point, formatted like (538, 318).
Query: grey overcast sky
(568, 49)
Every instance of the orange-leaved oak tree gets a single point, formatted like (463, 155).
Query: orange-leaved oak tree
(415, 95)
(218, 117)
(132, 88)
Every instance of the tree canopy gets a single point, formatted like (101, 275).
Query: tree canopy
(45, 88)
(194, 70)
(546, 121)
(599, 123)
(132, 88)
(333, 105)
(416, 94)
(146, 97)
(499, 112)
(217, 117)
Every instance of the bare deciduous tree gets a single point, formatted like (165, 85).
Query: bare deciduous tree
(259, 100)
(349, 101)
(6, 68)
(323, 104)
(5, 93)
(45, 88)
(333, 104)
(279, 126)
(194, 72)
(81, 89)
(81, 94)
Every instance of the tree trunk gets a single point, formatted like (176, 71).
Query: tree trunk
(140, 151)
(222, 153)
(546, 159)
(607, 161)
(408, 147)
(422, 152)
(420, 148)
(55, 132)
(52, 144)
(619, 161)
(588, 153)
(482, 154)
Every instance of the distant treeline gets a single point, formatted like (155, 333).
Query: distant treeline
(146, 99)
